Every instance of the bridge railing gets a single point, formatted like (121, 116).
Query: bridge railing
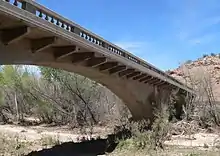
(52, 17)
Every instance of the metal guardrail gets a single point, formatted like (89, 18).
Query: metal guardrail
(52, 17)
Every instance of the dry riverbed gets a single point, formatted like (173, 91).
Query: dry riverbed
(17, 140)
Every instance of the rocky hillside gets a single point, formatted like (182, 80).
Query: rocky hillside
(207, 68)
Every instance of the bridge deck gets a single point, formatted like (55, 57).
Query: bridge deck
(27, 18)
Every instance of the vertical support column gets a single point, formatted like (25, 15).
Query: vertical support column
(29, 7)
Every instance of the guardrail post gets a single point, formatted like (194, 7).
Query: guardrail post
(75, 30)
(125, 55)
(29, 7)
(104, 45)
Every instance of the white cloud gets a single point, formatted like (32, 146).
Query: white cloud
(213, 21)
(202, 39)
(130, 45)
(137, 48)
(148, 52)
(193, 23)
(182, 35)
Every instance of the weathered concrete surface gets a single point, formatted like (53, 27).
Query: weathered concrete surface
(30, 38)
(44, 23)
(134, 94)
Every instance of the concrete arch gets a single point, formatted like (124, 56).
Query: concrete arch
(136, 95)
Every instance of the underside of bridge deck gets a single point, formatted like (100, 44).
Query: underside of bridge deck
(24, 43)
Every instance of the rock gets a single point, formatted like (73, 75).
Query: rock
(209, 65)
(216, 67)
(22, 131)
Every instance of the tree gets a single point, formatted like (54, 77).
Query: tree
(204, 55)
(213, 54)
(188, 62)
(56, 96)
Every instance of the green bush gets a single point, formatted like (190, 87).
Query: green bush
(213, 54)
(205, 55)
(147, 138)
(188, 62)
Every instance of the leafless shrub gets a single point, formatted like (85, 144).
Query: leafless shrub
(145, 134)
(56, 97)
(202, 107)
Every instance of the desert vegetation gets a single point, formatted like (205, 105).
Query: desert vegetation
(57, 98)
(201, 114)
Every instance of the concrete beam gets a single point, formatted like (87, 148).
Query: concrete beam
(117, 69)
(126, 72)
(139, 76)
(160, 83)
(173, 86)
(40, 44)
(146, 78)
(95, 61)
(10, 35)
(133, 74)
(63, 51)
(107, 65)
(152, 81)
(81, 56)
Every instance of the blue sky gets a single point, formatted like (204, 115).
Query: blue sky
(162, 32)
